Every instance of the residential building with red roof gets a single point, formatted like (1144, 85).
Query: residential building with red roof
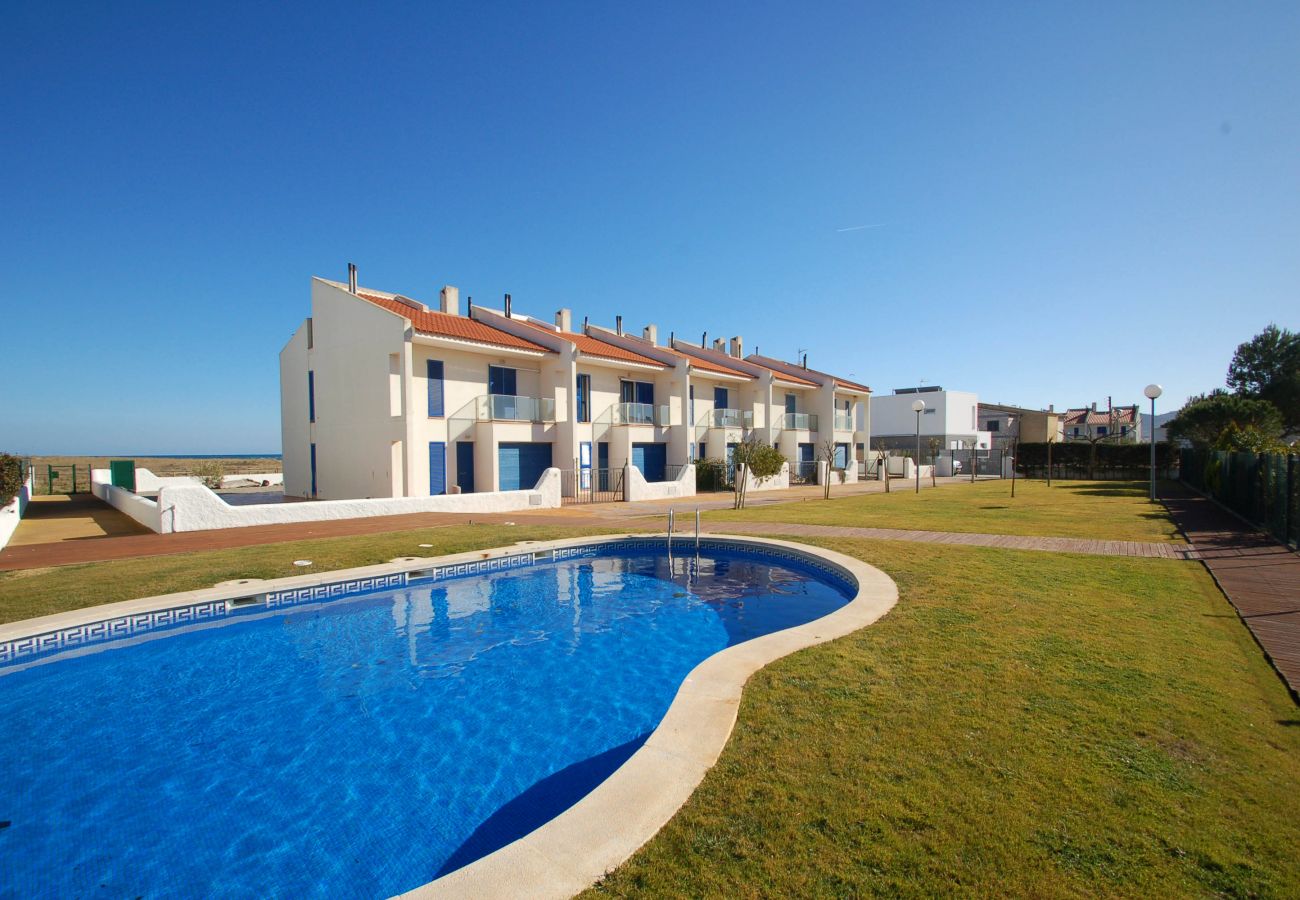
(1115, 424)
(383, 396)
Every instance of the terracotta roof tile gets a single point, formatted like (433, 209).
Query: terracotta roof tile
(443, 324)
(593, 346)
(1123, 415)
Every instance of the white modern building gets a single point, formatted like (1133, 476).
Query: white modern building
(382, 396)
(951, 417)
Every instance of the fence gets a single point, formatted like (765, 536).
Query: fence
(591, 486)
(1262, 488)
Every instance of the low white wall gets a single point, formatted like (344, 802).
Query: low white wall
(142, 509)
(274, 479)
(778, 482)
(146, 482)
(635, 487)
(12, 514)
(193, 507)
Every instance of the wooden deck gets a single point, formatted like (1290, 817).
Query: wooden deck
(1260, 577)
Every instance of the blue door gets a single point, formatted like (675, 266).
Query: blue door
(522, 465)
(806, 453)
(651, 459)
(602, 465)
(841, 456)
(465, 466)
(437, 468)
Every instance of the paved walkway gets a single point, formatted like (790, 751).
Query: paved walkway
(1151, 550)
(1260, 577)
(71, 517)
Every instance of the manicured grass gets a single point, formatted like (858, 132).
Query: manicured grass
(1021, 724)
(1104, 510)
(25, 594)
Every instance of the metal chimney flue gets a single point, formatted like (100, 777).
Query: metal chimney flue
(352, 278)
(508, 306)
(618, 324)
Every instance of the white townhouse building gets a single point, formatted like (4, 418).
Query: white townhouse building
(382, 396)
(950, 416)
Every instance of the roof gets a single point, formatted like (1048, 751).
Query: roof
(593, 346)
(783, 375)
(851, 385)
(1087, 416)
(441, 324)
(709, 365)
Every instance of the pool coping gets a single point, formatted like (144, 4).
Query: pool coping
(602, 830)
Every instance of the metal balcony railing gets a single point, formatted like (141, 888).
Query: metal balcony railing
(799, 421)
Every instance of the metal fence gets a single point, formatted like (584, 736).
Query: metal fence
(804, 472)
(591, 486)
(1263, 488)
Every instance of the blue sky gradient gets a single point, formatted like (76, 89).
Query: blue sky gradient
(1071, 201)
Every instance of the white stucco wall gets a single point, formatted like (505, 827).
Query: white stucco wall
(12, 514)
(778, 482)
(295, 429)
(142, 509)
(195, 508)
(635, 487)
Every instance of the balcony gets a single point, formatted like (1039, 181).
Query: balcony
(509, 408)
(843, 421)
(799, 422)
(637, 414)
(728, 418)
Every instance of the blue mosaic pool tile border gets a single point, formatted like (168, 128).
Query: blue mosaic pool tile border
(71, 638)
(333, 590)
(52, 642)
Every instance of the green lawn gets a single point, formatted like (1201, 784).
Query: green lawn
(1105, 510)
(1021, 724)
(39, 592)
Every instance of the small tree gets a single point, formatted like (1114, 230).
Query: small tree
(754, 457)
(826, 451)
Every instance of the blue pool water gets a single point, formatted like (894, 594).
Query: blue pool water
(366, 745)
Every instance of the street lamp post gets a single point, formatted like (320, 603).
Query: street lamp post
(1015, 453)
(1153, 391)
(917, 406)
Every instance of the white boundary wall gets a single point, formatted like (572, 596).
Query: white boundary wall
(778, 482)
(12, 514)
(147, 482)
(193, 507)
(142, 509)
(635, 487)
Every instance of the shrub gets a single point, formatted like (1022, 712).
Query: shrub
(11, 478)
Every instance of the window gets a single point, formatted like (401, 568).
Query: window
(503, 381)
(1101, 430)
(584, 400)
(435, 388)
(637, 392)
(1076, 430)
(692, 405)
(790, 404)
(1123, 430)
(929, 412)
(993, 425)
(311, 396)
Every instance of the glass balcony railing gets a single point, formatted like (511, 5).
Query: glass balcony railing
(511, 408)
(728, 418)
(636, 414)
(799, 421)
(843, 421)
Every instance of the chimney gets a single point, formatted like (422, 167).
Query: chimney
(352, 277)
(720, 344)
(618, 324)
(805, 360)
(651, 334)
(564, 319)
(704, 340)
(737, 346)
(508, 306)
(586, 324)
(1094, 406)
(449, 300)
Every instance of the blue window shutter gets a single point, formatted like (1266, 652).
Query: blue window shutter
(645, 392)
(437, 467)
(311, 396)
(435, 388)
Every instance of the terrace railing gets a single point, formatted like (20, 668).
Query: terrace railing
(799, 421)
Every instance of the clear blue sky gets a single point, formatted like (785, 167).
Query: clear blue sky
(1067, 202)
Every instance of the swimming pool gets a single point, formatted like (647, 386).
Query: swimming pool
(325, 742)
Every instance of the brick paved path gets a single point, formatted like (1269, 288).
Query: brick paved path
(1260, 577)
(1004, 541)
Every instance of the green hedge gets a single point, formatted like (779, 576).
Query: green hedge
(1078, 454)
(11, 478)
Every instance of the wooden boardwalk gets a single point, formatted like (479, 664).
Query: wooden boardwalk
(1260, 577)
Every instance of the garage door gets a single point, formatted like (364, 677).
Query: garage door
(651, 459)
(522, 465)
